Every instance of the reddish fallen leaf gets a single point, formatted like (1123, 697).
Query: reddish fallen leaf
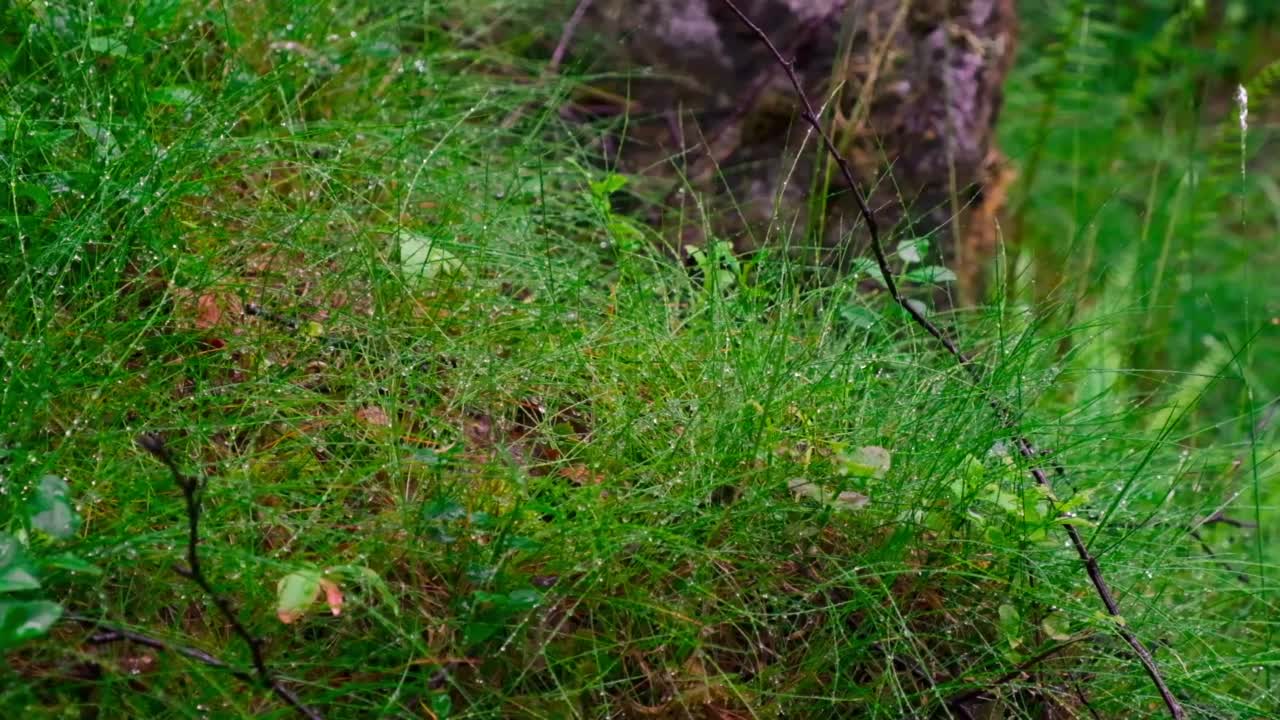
(138, 664)
(373, 415)
(712, 712)
(332, 595)
(529, 415)
(581, 475)
(478, 429)
(208, 314)
(288, 617)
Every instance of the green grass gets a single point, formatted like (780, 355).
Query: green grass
(551, 470)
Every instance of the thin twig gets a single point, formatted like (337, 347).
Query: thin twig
(553, 65)
(1219, 513)
(1013, 674)
(1208, 551)
(329, 341)
(1218, 518)
(715, 147)
(1025, 448)
(810, 116)
(114, 633)
(255, 310)
(1084, 700)
(566, 35)
(190, 487)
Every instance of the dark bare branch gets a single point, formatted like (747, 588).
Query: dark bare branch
(190, 487)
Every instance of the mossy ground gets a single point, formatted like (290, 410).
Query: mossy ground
(553, 473)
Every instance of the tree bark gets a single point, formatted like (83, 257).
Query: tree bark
(912, 91)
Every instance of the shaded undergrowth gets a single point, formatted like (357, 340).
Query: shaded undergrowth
(552, 473)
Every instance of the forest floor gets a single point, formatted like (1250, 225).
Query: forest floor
(463, 449)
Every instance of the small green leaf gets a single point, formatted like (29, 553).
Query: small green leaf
(37, 194)
(626, 234)
(968, 477)
(104, 45)
(847, 500)
(422, 257)
(443, 510)
(21, 621)
(611, 184)
(442, 705)
(1075, 502)
(1044, 492)
(913, 250)
(850, 500)
(1008, 614)
(871, 461)
(482, 597)
(1001, 498)
(382, 50)
(100, 134)
(16, 572)
(175, 95)
(18, 577)
(858, 316)
(50, 509)
(867, 266)
(482, 520)
(1056, 626)
(1034, 510)
(1108, 619)
(520, 543)
(724, 278)
(1010, 624)
(805, 489)
(477, 631)
(71, 563)
(156, 15)
(996, 536)
(524, 599)
(296, 593)
(431, 457)
(930, 274)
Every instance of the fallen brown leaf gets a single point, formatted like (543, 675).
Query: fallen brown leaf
(581, 475)
(373, 415)
(332, 595)
(208, 314)
(138, 664)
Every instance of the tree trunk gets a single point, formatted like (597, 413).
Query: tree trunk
(911, 90)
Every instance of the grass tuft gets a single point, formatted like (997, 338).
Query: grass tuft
(352, 266)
